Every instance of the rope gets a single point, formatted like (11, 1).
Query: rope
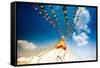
(49, 19)
(39, 12)
(55, 16)
(66, 18)
(73, 24)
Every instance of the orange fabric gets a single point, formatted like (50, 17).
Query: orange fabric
(61, 44)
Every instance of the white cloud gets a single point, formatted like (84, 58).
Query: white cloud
(81, 26)
(84, 17)
(25, 48)
(26, 45)
(81, 39)
(83, 14)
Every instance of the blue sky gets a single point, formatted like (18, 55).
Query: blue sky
(34, 28)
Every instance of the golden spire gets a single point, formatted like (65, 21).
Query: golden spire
(61, 44)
